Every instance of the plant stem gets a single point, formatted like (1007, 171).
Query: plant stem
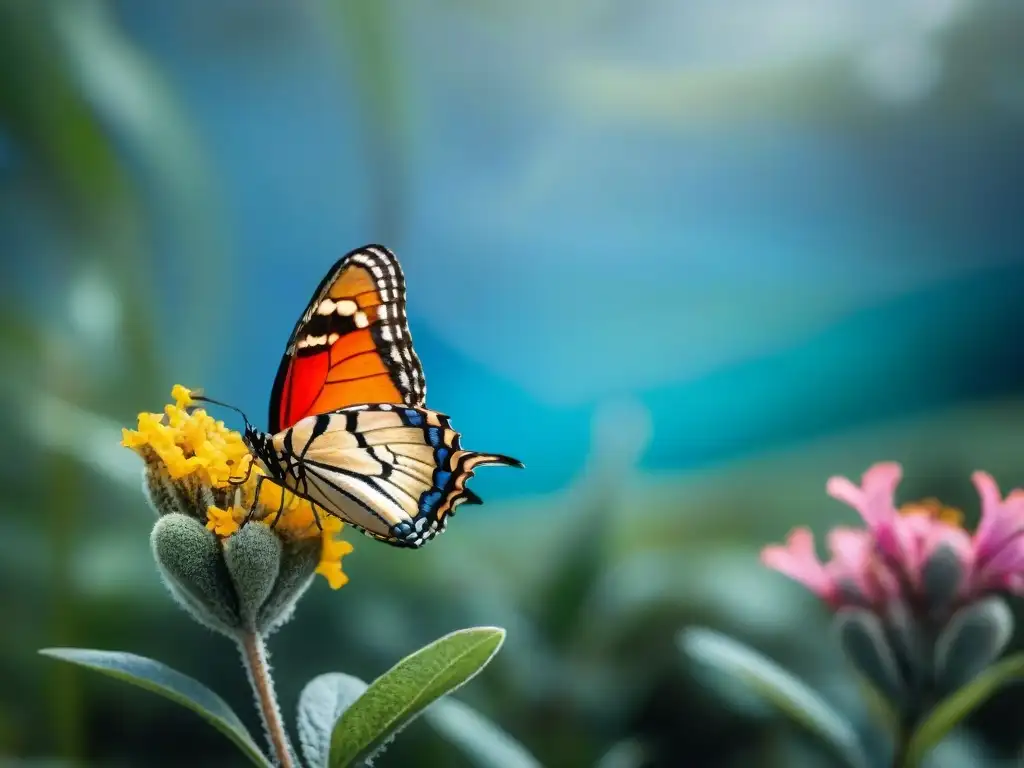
(899, 756)
(256, 659)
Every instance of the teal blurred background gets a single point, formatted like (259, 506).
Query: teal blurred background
(685, 260)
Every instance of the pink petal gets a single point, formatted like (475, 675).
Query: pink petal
(1015, 584)
(874, 499)
(850, 546)
(1000, 520)
(875, 502)
(1004, 566)
(840, 488)
(798, 560)
(853, 560)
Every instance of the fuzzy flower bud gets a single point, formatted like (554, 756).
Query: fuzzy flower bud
(192, 565)
(229, 559)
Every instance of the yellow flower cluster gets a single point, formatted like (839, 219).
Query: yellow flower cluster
(192, 447)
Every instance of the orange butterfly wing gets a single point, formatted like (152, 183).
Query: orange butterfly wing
(352, 344)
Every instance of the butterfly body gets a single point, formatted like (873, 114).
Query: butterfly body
(349, 428)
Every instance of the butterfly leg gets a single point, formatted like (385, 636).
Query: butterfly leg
(316, 517)
(280, 509)
(244, 480)
(255, 498)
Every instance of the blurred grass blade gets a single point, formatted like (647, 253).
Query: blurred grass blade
(957, 706)
(564, 596)
(88, 437)
(620, 432)
(777, 686)
(321, 703)
(404, 691)
(484, 743)
(135, 104)
(169, 683)
(628, 753)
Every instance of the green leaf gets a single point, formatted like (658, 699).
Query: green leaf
(321, 703)
(405, 690)
(958, 705)
(483, 742)
(776, 686)
(169, 683)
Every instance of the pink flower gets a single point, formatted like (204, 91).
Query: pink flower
(998, 542)
(888, 560)
(851, 577)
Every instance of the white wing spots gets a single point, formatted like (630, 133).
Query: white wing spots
(391, 329)
(332, 338)
(344, 308)
(313, 341)
(379, 254)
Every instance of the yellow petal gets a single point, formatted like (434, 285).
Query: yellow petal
(336, 577)
(221, 521)
(182, 396)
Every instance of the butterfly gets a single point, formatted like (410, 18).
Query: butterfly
(349, 429)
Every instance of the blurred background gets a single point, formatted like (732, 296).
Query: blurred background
(685, 260)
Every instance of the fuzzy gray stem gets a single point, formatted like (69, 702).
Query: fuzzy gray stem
(257, 665)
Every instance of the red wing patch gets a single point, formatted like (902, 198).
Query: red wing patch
(352, 344)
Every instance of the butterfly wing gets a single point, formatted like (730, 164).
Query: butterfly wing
(394, 472)
(351, 345)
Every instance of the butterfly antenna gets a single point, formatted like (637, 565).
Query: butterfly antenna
(197, 395)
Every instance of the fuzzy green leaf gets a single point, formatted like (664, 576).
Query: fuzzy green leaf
(405, 690)
(958, 705)
(324, 699)
(778, 687)
(169, 683)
